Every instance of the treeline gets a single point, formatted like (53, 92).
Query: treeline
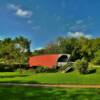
(78, 48)
(14, 51)
(17, 50)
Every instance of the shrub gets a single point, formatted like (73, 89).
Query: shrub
(82, 66)
(77, 64)
(40, 69)
(96, 61)
(6, 68)
(12, 67)
(51, 70)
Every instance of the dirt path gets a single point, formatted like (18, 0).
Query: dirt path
(50, 85)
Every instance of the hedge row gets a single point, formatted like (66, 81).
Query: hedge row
(12, 67)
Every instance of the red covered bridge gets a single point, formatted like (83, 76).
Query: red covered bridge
(48, 60)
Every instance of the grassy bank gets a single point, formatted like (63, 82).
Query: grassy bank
(28, 93)
(51, 78)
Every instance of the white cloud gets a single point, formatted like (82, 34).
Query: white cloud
(3, 35)
(12, 6)
(37, 48)
(19, 11)
(78, 25)
(23, 13)
(79, 34)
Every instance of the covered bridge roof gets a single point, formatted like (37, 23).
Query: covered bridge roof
(49, 60)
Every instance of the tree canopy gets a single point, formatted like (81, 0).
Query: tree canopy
(77, 47)
(14, 51)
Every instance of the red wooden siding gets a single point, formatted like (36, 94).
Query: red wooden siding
(44, 60)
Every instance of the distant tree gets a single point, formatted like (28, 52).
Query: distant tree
(39, 52)
(52, 48)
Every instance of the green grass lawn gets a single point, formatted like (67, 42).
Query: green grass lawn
(52, 78)
(30, 93)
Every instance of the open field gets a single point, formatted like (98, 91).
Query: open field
(51, 78)
(29, 93)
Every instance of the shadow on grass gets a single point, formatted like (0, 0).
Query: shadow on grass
(92, 71)
(29, 93)
(17, 82)
(14, 76)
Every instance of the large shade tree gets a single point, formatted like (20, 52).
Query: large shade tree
(14, 51)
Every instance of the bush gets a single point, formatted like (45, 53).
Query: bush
(82, 66)
(77, 64)
(96, 61)
(12, 67)
(40, 69)
(6, 68)
(51, 70)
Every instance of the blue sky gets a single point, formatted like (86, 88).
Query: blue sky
(42, 21)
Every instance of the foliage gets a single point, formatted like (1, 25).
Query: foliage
(40, 69)
(50, 70)
(82, 66)
(11, 67)
(6, 68)
(14, 51)
(96, 59)
(76, 47)
(17, 50)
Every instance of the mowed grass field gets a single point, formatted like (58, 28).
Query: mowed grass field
(51, 78)
(30, 93)
(33, 93)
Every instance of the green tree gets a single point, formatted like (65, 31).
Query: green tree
(82, 66)
(14, 51)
